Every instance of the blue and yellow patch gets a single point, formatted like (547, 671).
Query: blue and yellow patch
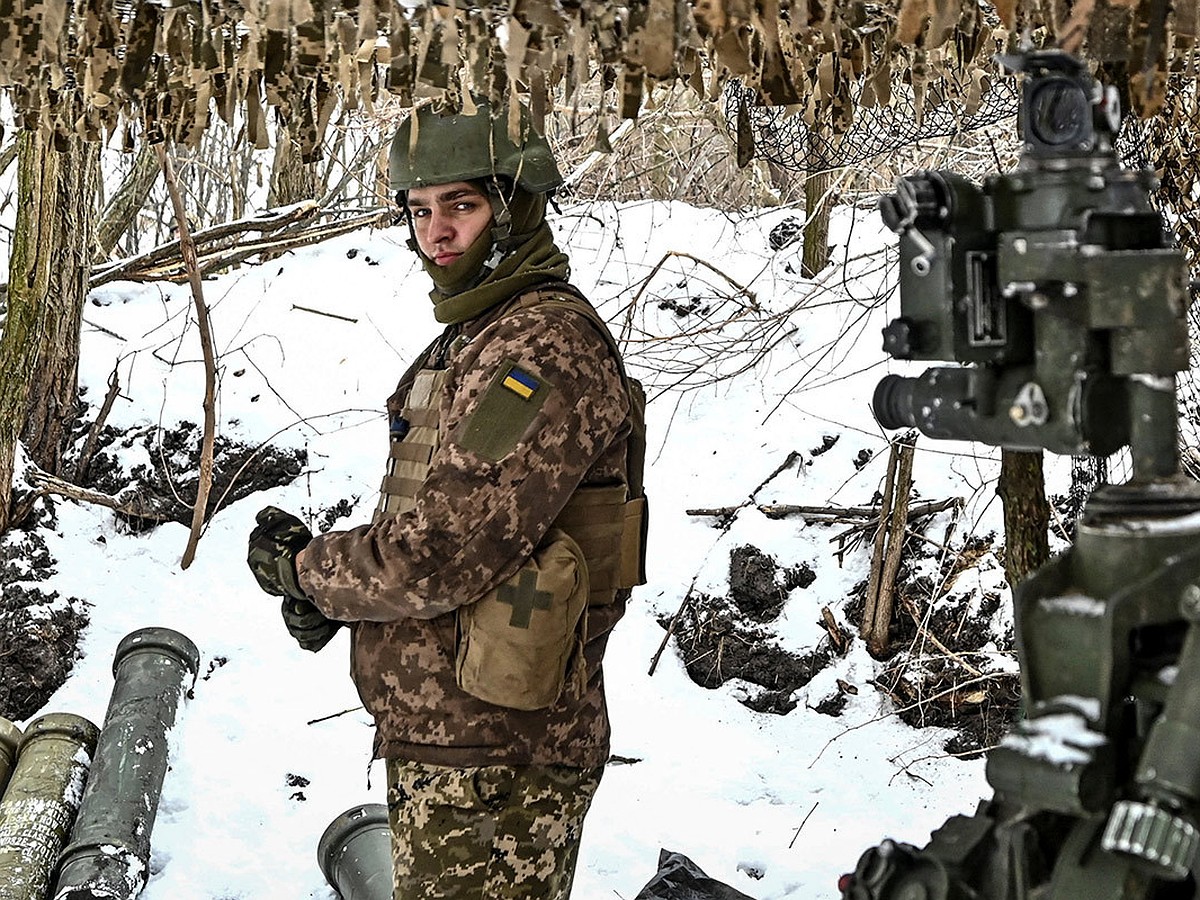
(505, 412)
(520, 383)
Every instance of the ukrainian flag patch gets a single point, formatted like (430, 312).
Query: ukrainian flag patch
(505, 412)
(520, 383)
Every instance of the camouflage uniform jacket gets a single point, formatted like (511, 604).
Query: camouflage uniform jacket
(474, 523)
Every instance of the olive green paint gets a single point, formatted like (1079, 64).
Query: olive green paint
(41, 801)
(109, 851)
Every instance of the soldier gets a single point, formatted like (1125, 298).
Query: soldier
(509, 529)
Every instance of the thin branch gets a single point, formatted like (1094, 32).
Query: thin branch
(803, 823)
(89, 447)
(187, 248)
(991, 676)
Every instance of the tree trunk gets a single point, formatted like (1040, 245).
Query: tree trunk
(816, 228)
(48, 269)
(1022, 489)
(126, 203)
(292, 179)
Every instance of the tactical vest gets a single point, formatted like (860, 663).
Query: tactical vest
(608, 523)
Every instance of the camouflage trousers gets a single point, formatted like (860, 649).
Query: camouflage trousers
(487, 832)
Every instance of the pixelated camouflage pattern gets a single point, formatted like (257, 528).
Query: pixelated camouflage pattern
(486, 833)
(474, 523)
(94, 67)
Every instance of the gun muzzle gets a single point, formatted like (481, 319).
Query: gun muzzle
(355, 853)
(41, 801)
(109, 853)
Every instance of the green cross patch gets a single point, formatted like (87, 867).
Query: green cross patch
(524, 597)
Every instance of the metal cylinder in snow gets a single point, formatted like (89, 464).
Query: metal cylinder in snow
(10, 739)
(109, 853)
(41, 801)
(355, 853)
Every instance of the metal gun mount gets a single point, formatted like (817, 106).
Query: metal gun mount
(1056, 288)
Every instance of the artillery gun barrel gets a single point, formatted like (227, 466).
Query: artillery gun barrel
(355, 853)
(109, 853)
(41, 801)
(10, 739)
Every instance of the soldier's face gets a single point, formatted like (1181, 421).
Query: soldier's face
(447, 218)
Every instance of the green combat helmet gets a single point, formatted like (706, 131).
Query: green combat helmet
(462, 148)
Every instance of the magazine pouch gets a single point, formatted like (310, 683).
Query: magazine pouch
(519, 642)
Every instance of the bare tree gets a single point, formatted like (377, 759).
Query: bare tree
(49, 265)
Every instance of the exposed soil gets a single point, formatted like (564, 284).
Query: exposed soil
(730, 637)
(757, 584)
(721, 638)
(717, 644)
(166, 488)
(929, 687)
(39, 631)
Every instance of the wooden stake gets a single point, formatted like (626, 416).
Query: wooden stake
(885, 510)
(877, 640)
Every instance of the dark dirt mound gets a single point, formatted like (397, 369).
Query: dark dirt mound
(934, 674)
(720, 638)
(166, 487)
(929, 686)
(39, 631)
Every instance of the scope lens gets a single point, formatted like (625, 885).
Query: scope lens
(1059, 113)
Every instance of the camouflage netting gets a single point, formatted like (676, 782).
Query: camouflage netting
(96, 68)
(792, 142)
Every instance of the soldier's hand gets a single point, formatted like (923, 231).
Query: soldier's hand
(307, 624)
(274, 543)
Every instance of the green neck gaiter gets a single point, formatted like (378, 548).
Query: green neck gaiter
(477, 281)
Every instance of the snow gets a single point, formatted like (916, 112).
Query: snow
(1061, 738)
(272, 747)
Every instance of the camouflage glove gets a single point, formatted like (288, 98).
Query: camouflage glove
(274, 543)
(307, 624)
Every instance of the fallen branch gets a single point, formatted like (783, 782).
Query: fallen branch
(221, 246)
(836, 635)
(687, 598)
(44, 483)
(333, 715)
(207, 240)
(870, 513)
(321, 312)
(802, 824)
(718, 512)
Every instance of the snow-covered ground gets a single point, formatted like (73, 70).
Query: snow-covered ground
(777, 806)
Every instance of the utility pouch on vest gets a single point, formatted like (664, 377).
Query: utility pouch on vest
(517, 643)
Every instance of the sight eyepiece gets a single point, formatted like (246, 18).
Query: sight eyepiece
(893, 402)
